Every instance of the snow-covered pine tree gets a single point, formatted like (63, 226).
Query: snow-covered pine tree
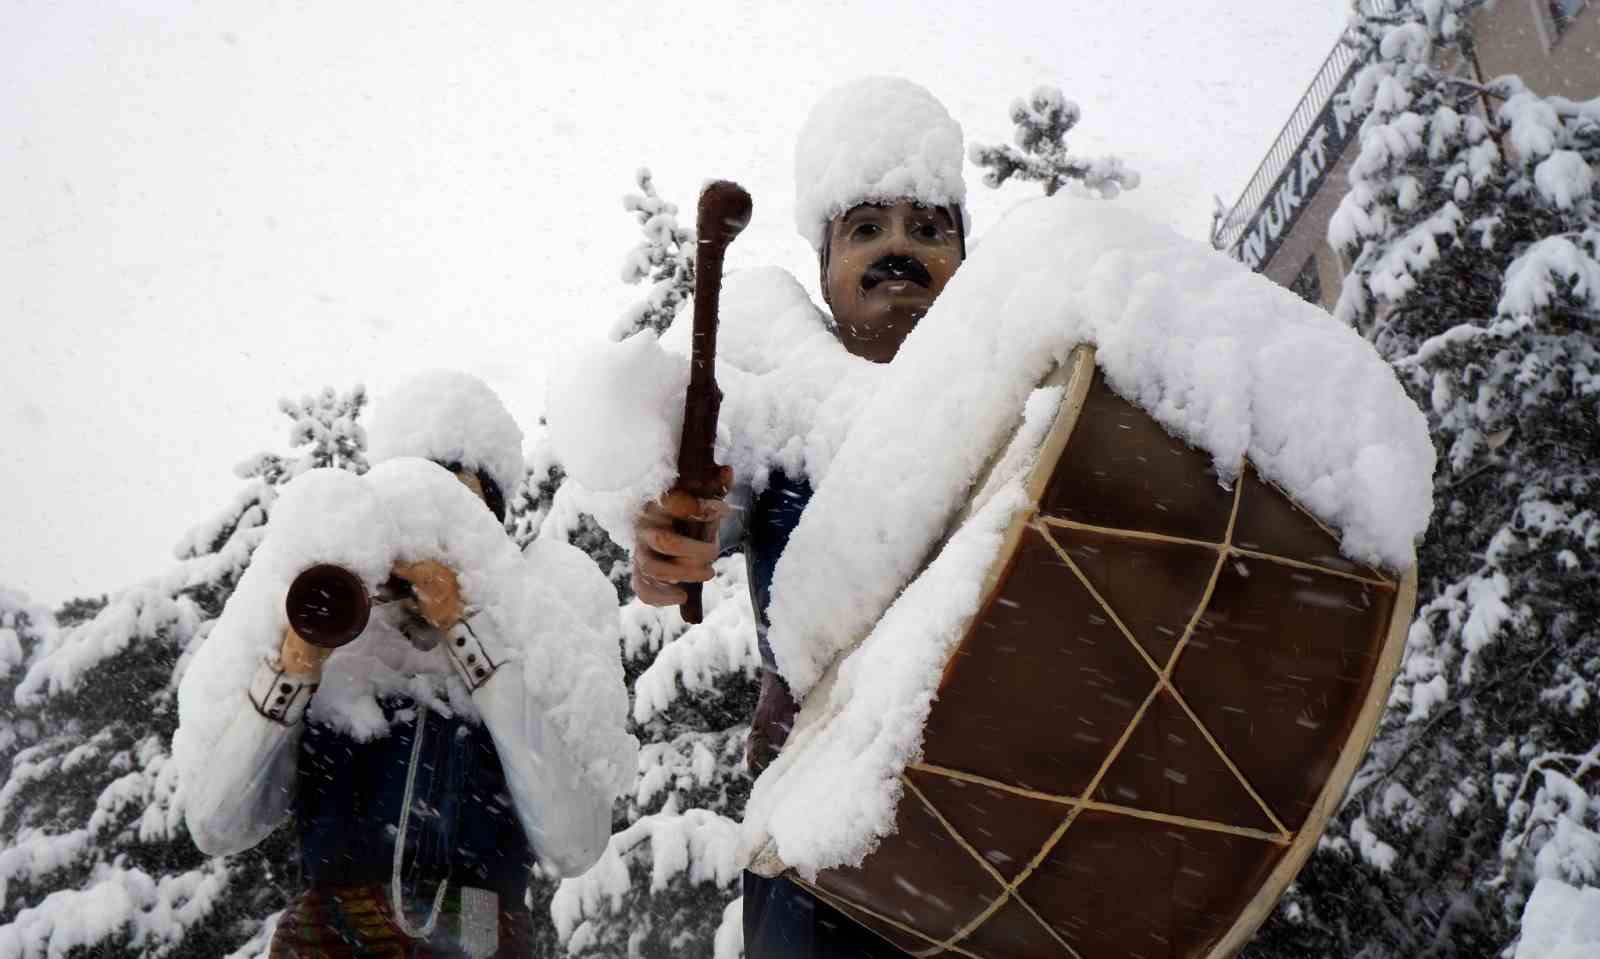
(94, 856)
(1042, 123)
(669, 873)
(24, 627)
(1473, 221)
(665, 257)
(667, 883)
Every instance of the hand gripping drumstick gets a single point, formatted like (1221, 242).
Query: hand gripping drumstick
(724, 212)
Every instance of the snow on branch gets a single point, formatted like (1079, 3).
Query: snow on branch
(696, 845)
(142, 912)
(665, 257)
(725, 642)
(1042, 123)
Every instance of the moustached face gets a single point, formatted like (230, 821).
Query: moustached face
(886, 266)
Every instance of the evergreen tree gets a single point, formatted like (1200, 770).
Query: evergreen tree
(1042, 123)
(1473, 223)
(668, 880)
(665, 257)
(96, 859)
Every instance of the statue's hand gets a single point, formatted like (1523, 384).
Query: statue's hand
(437, 592)
(664, 557)
(300, 658)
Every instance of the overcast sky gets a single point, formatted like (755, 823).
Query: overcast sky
(208, 206)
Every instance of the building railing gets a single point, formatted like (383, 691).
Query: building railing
(1334, 75)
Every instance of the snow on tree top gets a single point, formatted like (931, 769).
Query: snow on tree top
(876, 139)
(448, 417)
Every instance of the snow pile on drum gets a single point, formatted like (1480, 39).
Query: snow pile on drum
(1221, 357)
(559, 617)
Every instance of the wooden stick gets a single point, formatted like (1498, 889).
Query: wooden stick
(723, 213)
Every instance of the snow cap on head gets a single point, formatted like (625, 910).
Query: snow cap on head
(874, 140)
(448, 417)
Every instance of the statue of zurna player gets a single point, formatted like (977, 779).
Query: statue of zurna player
(879, 196)
(474, 726)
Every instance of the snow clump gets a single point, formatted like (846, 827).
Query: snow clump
(448, 417)
(874, 140)
(1560, 922)
(790, 393)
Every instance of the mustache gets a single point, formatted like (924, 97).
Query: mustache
(896, 267)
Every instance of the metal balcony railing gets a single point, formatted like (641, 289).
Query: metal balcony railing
(1330, 78)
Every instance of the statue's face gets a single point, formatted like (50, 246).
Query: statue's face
(471, 482)
(886, 265)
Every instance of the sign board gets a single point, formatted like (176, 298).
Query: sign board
(1300, 180)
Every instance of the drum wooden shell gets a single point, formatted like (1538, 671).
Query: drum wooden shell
(1143, 732)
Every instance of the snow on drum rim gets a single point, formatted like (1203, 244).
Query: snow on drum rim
(1139, 737)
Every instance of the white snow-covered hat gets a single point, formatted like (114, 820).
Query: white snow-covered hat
(448, 417)
(874, 140)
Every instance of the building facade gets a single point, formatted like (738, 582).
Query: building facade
(1279, 225)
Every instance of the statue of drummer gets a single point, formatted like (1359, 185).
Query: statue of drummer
(879, 197)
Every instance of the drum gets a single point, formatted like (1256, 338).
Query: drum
(1142, 733)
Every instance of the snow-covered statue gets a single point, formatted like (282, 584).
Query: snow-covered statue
(878, 194)
(1088, 564)
(473, 726)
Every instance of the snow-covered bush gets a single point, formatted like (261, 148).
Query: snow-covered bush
(1473, 223)
(94, 855)
(1042, 123)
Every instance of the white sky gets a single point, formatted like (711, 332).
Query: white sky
(205, 207)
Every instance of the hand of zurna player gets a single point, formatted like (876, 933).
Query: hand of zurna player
(675, 542)
(436, 592)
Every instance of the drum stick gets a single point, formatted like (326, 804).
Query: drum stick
(723, 212)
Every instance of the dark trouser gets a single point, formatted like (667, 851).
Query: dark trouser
(784, 921)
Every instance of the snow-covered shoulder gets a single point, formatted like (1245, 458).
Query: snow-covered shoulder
(1219, 356)
(790, 392)
(323, 516)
